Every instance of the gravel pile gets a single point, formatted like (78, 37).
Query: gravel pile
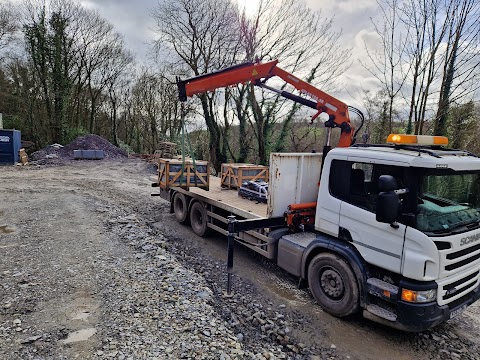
(92, 142)
(58, 154)
(187, 316)
(190, 317)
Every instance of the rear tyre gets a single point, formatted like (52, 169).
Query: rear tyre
(180, 207)
(333, 284)
(198, 219)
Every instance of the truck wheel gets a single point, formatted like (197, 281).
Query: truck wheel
(198, 219)
(333, 284)
(180, 207)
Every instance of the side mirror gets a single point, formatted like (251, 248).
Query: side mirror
(387, 201)
(387, 183)
(387, 207)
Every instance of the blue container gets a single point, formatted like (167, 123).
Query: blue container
(10, 144)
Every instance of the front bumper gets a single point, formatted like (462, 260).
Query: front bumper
(419, 317)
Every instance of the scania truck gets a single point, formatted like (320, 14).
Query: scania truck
(392, 231)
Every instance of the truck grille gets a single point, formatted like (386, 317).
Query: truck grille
(460, 286)
(463, 252)
(462, 263)
(454, 287)
(456, 260)
(459, 272)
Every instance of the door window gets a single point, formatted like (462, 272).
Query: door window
(357, 182)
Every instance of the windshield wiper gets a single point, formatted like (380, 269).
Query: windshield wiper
(456, 229)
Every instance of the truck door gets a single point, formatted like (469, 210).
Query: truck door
(380, 244)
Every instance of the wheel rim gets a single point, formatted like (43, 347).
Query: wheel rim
(332, 283)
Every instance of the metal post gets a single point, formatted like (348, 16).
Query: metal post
(231, 239)
(326, 148)
(329, 136)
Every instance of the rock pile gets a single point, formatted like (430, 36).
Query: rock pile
(92, 142)
(183, 317)
(57, 154)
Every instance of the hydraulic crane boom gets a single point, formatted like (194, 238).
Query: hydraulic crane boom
(258, 73)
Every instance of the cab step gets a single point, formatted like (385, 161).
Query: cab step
(381, 312)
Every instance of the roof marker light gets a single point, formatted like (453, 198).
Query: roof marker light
(404, 139)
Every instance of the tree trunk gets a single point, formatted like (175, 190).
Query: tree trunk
(242, 127)
(216, 157)
(445, 91)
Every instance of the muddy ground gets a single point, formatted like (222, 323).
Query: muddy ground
(92, 266)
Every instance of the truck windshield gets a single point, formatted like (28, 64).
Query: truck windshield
(449, 202)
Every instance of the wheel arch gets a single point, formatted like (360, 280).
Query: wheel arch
(349, 253)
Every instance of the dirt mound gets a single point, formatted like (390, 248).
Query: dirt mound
(48, 152)
(92, 142)
(55, 152)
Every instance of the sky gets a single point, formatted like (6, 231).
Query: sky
(133, 20)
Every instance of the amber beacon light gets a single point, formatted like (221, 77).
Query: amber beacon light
(403, 139)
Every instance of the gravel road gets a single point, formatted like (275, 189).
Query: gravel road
(93, 267)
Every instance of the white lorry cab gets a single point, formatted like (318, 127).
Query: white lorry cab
(410, 215)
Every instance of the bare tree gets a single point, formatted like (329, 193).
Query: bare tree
(76, 58)
(8, 24)
(203, 35)
(306, 44)
(378, 123)
(50, 47)
(155, 105)
(102, 58)
(427, 55)
(430, 20)
(461, 64)
(386, 63)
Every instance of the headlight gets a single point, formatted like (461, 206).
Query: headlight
(422, 296)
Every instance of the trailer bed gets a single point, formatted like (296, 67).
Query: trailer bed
(229, 200)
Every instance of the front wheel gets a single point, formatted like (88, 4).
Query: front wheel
(333, 284)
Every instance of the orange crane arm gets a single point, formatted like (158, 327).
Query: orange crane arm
(258, 73)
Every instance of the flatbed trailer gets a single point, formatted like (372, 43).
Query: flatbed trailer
(210, 209)
(228, 199)
(259, 225)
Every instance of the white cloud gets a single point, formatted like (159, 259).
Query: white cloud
(131, 19)
(369, 39)
(348, 6)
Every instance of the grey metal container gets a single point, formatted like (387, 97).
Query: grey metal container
(88, 154)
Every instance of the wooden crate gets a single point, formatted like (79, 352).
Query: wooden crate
(233, 175)
(170, 174)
